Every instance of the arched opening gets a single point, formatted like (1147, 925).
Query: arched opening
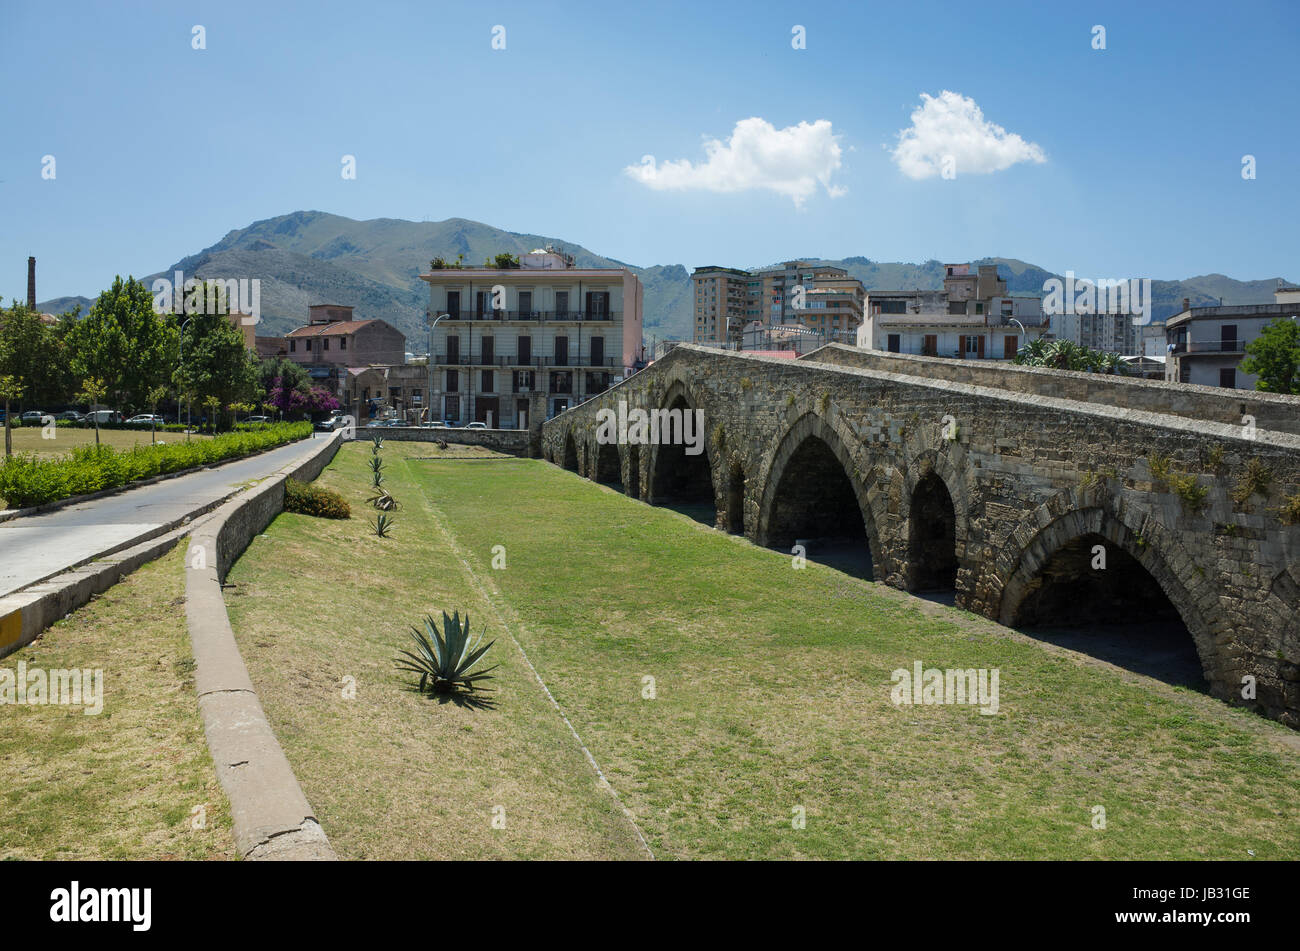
(816, 507)
(932, 537)
(682, 479)
(586, 462)
(634, 471)
(607, 466)
(1093, 596)
(736, 501)
(570, 453)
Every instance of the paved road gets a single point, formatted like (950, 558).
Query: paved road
(35, 547)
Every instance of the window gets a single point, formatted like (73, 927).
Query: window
(930, 345)
(562, 382)
(325, 343)
(979, 307)
(525, 303)
(892, 307)
(597, 351)
(486, 382)
(453, 381)
(523, 381)
(1228, 376)
(293, 345)
(525, 350)
(343, 343)
(956, 307)
(894, 343)
(971, 346)
(1228, 337)
(561, 303)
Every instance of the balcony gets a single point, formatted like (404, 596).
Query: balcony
(535, 363)
(1209, 346)
(536, 316)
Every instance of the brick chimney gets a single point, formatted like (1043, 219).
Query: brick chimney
(1187, 303)
(31, 283)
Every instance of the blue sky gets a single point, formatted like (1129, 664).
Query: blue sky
(160, 149)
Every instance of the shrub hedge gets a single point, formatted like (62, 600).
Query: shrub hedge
(27, 480)
(307, 499)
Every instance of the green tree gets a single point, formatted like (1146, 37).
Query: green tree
(124, 343)
(156, 396)
(11, 388)
(1274, 357)
(31, 351)
(214, 361)
(92, 391)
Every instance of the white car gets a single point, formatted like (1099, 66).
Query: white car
(477, 426)
(145, 419)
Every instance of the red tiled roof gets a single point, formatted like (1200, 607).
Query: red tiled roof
(336, 329)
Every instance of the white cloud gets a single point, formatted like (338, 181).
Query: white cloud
(951, 126)
(788, 161)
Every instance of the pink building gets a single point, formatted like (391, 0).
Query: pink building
(333, 337)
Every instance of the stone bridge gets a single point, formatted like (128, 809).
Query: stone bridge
(998, 483)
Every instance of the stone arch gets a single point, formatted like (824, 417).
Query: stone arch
(609, 469)
(1146, 543)
(674, 475)
(936, 532)
(569, 453)
(836, 440)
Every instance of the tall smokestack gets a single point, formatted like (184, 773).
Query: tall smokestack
(31, 283)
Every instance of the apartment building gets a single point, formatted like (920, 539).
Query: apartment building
(1207, 344)
(721, 298)
(820, 297)
(971, 318)
(1114, 333)
(508, 344)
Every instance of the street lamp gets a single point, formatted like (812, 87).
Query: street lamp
(189, 404)
(429, 360)
(1023, 332)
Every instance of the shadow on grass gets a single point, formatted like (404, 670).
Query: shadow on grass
(467, 699)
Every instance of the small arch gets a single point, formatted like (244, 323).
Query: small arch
(932, 536)
(681, 476)
(570, 456)
(1088, 582)
(608, 470)
(633, 482)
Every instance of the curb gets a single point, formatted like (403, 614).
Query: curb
(9, 514)
(272, 817)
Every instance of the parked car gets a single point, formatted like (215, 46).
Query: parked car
(71, 415)
(101, 416)
(450, 423)
(332, 423)
(145, 419)
(258, 419)
(476, 426)
(32, 417)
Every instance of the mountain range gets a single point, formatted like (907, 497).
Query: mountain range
(312, 257)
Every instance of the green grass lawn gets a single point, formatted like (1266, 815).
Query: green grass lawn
(772, 696)
(67, 438)
(123, 784)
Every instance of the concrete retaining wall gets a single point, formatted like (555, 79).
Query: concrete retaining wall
(272, 817)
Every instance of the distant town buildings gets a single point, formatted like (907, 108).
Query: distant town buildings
(523, 343)
(972, 318)
(1207, 344)
(795, 305)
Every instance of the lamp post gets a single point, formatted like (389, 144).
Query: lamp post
(1024, 333)
(189, 424)
(429, 397)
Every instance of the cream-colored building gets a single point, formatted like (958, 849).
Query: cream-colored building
(820, 297)
(972, 318)
(545, 334)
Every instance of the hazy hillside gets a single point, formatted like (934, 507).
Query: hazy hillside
(311, 257)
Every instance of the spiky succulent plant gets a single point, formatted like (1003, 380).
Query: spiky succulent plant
(443, 658)
(383, 500)
(382, 525)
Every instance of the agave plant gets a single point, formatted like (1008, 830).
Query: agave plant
(383, 500)
(376, 479)
(443, 658)
(377, 443)
(376, 464)
(383, 524)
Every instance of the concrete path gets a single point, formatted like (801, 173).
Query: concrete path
(36, 547)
